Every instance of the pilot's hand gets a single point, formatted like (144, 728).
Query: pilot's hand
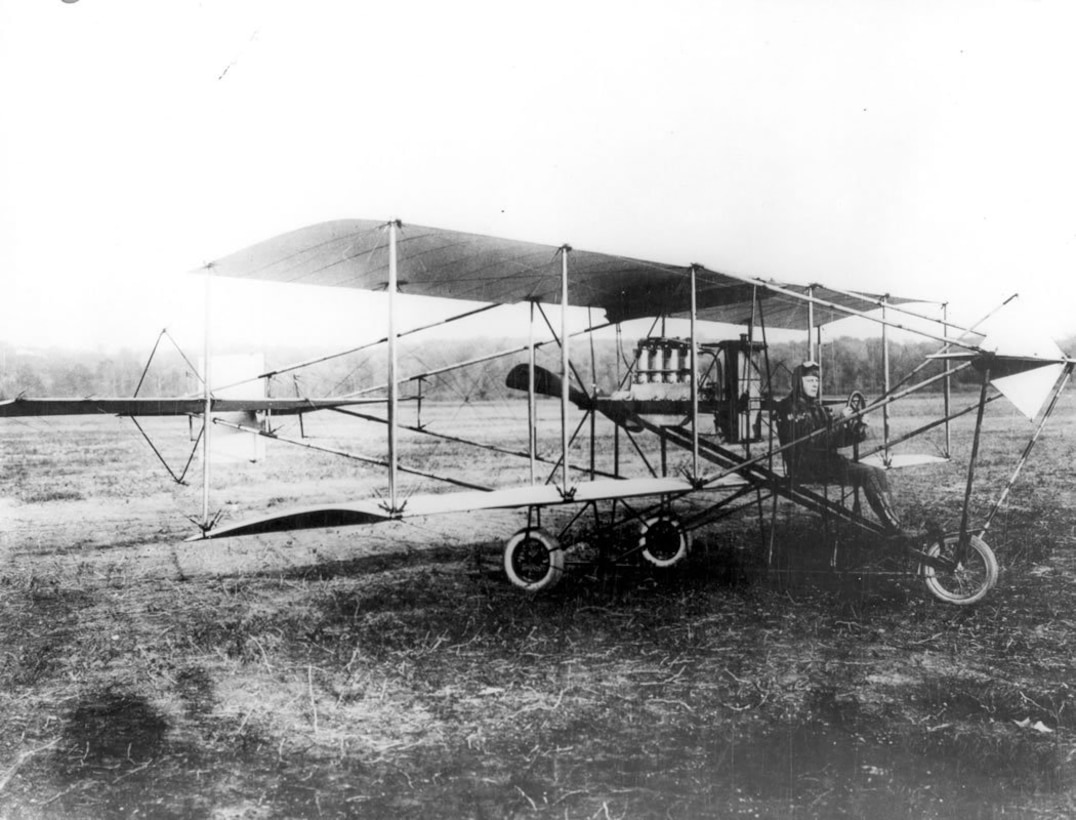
(846, 411)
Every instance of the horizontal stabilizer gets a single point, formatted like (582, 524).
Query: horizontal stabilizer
(1024, 363)
(1027, 390)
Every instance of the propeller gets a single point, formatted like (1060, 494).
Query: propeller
(546, 384)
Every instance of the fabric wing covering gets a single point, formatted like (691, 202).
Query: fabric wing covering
(451, 264)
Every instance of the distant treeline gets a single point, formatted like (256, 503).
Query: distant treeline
(848, 363)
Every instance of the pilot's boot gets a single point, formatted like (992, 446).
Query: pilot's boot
(886, 514)
(882, 503)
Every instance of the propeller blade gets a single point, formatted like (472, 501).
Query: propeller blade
(545, 384)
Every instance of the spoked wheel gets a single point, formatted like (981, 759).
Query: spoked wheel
(856, 401)
(663, 540)
(533, 560)
(965, 583)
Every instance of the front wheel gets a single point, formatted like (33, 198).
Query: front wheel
(533, 560)
(663, 540)
(965, 583)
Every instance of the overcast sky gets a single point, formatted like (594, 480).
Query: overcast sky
(919, 148)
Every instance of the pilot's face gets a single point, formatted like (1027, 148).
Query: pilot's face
(810, 385)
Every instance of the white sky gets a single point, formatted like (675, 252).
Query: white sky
(919, 148)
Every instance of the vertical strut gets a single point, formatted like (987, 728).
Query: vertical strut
(694, 379)
(748, 370)
(593, 394)
(532, 420)
(208, 404)
(885, 384)
(616, 427)
(962, 546)
(565, 363)
(393, 385)
(770, 413)
(818, 358)
(947, 392)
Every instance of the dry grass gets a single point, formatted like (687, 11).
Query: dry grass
(388, 672)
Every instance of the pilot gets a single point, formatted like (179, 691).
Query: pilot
(801, 413)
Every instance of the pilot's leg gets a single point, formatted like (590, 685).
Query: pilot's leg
(875, 487)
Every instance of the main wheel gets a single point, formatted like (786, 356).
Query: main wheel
(533, 560)
(966, 583)
(663, 540)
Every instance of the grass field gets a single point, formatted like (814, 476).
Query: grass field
(390, 671)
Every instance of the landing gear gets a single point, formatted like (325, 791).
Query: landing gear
(536, 560)
(533, 559)
(663, 540)
(963, 583)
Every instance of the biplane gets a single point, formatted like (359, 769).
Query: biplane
(709, 401)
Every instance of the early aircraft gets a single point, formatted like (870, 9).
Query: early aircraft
(711, 401)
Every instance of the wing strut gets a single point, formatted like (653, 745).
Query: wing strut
(947, 396)
(176, 478)
(353, 456)
(149, 361)
(565, 363)
(694, 380)
(885, 384)
(847, 311)
(394, 388)
(208, 396)
(468, 442)
(962, 546)
(532, 405)
(756, 306)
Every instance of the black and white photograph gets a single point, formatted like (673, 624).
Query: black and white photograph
(589, 411)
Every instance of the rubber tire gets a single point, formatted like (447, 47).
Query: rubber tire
(671, 542)
(954, 588)
(533, 560)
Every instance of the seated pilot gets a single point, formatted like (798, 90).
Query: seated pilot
(801, 413)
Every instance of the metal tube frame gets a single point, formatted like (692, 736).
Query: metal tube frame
(774, 451)
(885, 384)
(947, 392)
(208, 405)
(962, 546)
(847, 311)
(394, 387)
(565, 362)
(694, 382)
(532, 404)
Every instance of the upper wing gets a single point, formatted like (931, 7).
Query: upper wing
(792, 310)
(166, 406)
(437, 262)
